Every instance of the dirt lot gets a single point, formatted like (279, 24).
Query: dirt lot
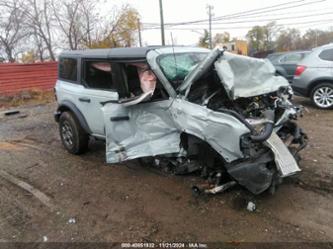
(81, 198)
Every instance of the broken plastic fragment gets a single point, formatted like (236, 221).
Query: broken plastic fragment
(251, 206)
(71, 221)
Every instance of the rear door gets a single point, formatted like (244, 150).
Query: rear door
(86, 83)
(98, 87)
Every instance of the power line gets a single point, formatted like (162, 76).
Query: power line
(237, 13)
(244, 13)
(275, 19)
(314, 22)
(273, 10)
(283, 13)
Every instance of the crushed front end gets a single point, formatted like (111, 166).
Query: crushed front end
(271, 149)
(262, 102)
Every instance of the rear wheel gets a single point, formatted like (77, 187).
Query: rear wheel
(73, 137)
(322, 95)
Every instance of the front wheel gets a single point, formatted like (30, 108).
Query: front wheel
(73, 137)
(322, 95)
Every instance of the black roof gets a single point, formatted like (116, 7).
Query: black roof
(112, 53)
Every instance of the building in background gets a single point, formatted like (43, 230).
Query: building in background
(236, 47)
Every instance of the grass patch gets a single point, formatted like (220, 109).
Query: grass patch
(27, 97)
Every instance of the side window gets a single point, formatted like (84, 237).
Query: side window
(136, 82)
(141, 80)
(68, 69)
(292, 58)
(97, 75)
(326, 55)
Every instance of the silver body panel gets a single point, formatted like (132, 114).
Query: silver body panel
(154, 129)
(148, 131)
(91, 111)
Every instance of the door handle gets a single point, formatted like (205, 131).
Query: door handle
(119, 118)
(84, 99)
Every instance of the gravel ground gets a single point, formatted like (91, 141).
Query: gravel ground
(81, 198)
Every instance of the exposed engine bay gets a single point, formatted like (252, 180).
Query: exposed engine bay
(266, 116)
(257, 171)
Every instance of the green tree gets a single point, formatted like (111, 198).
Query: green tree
(289, 39)
(316, 37)
(256, 38)
(262, 38)
(120, 32)
(29, 57)
(270, 32)
(221, 38)
(204, 40)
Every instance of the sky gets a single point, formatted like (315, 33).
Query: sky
(302, 14)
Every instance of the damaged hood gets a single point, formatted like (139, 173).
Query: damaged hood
(241, 76)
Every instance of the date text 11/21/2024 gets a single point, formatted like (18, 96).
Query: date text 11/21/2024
(164, 245)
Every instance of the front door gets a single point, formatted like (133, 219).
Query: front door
(144, 129)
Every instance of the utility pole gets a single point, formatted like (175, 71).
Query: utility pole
(210, 14)
(162, 24)
(139, 30)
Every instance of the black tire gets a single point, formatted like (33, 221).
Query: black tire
(315, 95)
(72, 135)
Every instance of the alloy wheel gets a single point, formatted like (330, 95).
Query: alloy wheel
(67, 134)
(323, 97)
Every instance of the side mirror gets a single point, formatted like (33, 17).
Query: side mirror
(137, 99)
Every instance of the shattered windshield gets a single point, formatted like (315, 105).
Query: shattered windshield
(177, 66)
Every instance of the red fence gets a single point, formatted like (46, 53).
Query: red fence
(15, 77)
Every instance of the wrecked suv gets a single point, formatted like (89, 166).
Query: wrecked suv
(225, 116)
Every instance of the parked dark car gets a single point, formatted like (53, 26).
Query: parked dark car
(314, 77)
(286, 62)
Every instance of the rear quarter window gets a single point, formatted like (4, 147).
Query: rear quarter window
(326, 54)
(68, 69)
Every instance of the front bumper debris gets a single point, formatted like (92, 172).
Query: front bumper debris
(285, 161)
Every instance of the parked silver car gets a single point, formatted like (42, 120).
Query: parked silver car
(225, 116)
(314, 77)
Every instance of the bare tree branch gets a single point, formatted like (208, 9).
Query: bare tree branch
(12, 29)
